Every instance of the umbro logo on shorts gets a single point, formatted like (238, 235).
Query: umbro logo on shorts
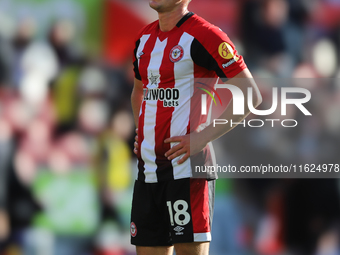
(178, 230)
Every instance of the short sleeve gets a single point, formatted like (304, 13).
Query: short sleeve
(135, 61)
(215, 51)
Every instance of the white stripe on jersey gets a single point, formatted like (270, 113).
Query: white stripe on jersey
(181, 121)
(140, 49)
(148, 144)
(139, 52)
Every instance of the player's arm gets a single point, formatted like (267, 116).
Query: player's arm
(136, 102)
(136, 99)
(215, 52)
(195, 142)
(4, 225)
(243, 81)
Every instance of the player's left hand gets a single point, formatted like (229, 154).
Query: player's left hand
(187, 144)
(136, 146)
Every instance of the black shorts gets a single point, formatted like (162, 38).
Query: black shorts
(178, 211)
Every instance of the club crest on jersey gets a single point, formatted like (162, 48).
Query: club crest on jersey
(133, 229)
(154, 80)
(176, 53)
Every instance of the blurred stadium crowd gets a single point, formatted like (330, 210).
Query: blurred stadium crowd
(66, 130)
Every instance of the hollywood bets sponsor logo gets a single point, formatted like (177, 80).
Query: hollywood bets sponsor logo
(168, 96)
(133, 229)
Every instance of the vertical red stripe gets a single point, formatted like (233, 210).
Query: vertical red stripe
(199, 201)
(203, 79)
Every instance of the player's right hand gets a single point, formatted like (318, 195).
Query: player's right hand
(135, 150)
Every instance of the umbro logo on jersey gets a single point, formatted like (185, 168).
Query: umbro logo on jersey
(140, 54)
(169, 96)
(176, 53)
(178, 230)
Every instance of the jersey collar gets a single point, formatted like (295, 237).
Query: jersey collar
(184, 18)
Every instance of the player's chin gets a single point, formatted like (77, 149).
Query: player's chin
(156, 5)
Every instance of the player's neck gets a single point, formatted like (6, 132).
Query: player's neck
(168, 20)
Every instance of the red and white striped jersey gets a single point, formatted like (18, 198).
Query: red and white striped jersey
(169, 64)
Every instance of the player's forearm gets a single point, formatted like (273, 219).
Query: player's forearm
(4, 224)
(212, 132)
(136, 101)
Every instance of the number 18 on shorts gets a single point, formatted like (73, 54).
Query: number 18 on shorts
(177, 211)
